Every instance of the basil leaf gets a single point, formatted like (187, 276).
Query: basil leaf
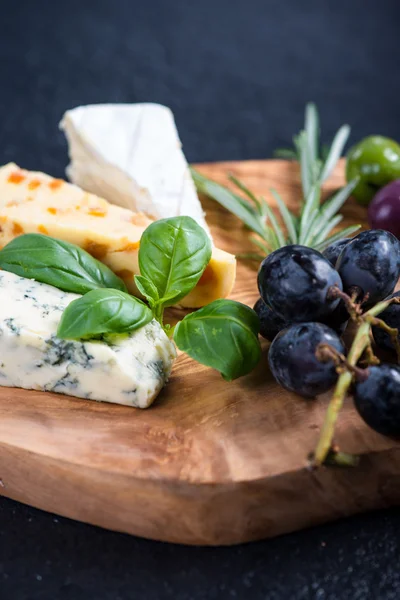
(172, 294)
(103, 311)
(147, 289)
(57, 263)
(173, 254)
(222, 335)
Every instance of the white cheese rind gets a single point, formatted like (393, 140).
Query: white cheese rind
(126, 369)
(131, 155)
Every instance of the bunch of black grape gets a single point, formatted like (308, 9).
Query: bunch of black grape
(303, 308)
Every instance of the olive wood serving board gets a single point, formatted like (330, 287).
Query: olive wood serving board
(211, 462)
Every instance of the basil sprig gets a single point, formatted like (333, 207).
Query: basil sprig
(222, 335)
(103, 311)
(172, 257)
(173, 254)
(57, 263)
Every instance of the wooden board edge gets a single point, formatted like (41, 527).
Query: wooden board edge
(211, 515)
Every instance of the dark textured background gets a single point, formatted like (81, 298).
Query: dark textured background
(237, 74)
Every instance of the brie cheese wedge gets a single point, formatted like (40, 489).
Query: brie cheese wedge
(130, 154)
(33, 202)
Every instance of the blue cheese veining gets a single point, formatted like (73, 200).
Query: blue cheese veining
(130, 369)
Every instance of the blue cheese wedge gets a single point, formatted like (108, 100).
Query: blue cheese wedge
(131, 155)
(126, 369)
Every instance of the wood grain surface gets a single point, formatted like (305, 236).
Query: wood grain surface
(211, 462)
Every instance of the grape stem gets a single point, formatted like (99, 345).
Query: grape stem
(353, 309)
(335, 458)
(360, 343)
(369, 355)
(391, 331)
(325, 353)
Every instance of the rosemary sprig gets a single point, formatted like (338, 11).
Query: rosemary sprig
(315, 222)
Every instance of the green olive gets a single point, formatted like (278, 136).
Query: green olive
(375, 161)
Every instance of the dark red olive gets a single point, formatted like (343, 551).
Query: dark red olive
(384, 210)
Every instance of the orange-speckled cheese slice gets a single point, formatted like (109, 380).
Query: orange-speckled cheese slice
(33, 202)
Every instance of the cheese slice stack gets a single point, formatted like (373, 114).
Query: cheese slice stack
(131, 155)
(37, 203)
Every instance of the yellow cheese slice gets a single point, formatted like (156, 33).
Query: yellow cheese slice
(33, 202)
